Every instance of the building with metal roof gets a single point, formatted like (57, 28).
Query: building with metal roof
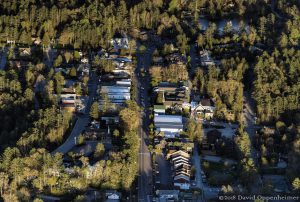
(168, 123)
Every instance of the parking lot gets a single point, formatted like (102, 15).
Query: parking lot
(163, 173)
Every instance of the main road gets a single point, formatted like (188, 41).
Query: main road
(145, 179)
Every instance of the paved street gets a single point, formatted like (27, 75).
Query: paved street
(81, 122)
(250, 127)
(249, 120)
(145, 183)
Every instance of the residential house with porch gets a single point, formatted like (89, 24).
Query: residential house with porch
(203, 109)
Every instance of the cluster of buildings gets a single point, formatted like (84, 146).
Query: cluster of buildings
(181, 169)
(174, 105)
(73, 94)
(115, 86)
(173, 165)
(175, 97)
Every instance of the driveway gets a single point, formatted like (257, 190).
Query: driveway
(207, 191)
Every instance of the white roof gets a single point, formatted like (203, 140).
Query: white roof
(167, 119)
(115, 89)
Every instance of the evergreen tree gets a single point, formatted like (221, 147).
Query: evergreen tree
(94, 111)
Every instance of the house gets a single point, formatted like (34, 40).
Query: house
(182, 166)
(180, 160)
(182, 181)
(159, 109)
(206, 59)
(68, 102)
(68, 98)
(112, 196)
(168, 123)
(204, 108)
(120, 41)
(180, 153)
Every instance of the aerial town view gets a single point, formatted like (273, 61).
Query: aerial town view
(149, 100)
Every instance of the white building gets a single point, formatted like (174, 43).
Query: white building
(168, 123)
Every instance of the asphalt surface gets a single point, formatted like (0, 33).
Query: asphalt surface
(3, 58)
(145, 184)
(165, 173)
(250, 128)
(82, 120)
(198, 177)
(250, 125)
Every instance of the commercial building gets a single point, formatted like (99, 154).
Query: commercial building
(168, 123)
(117, 94)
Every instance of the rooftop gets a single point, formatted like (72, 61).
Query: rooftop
(167, 119)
